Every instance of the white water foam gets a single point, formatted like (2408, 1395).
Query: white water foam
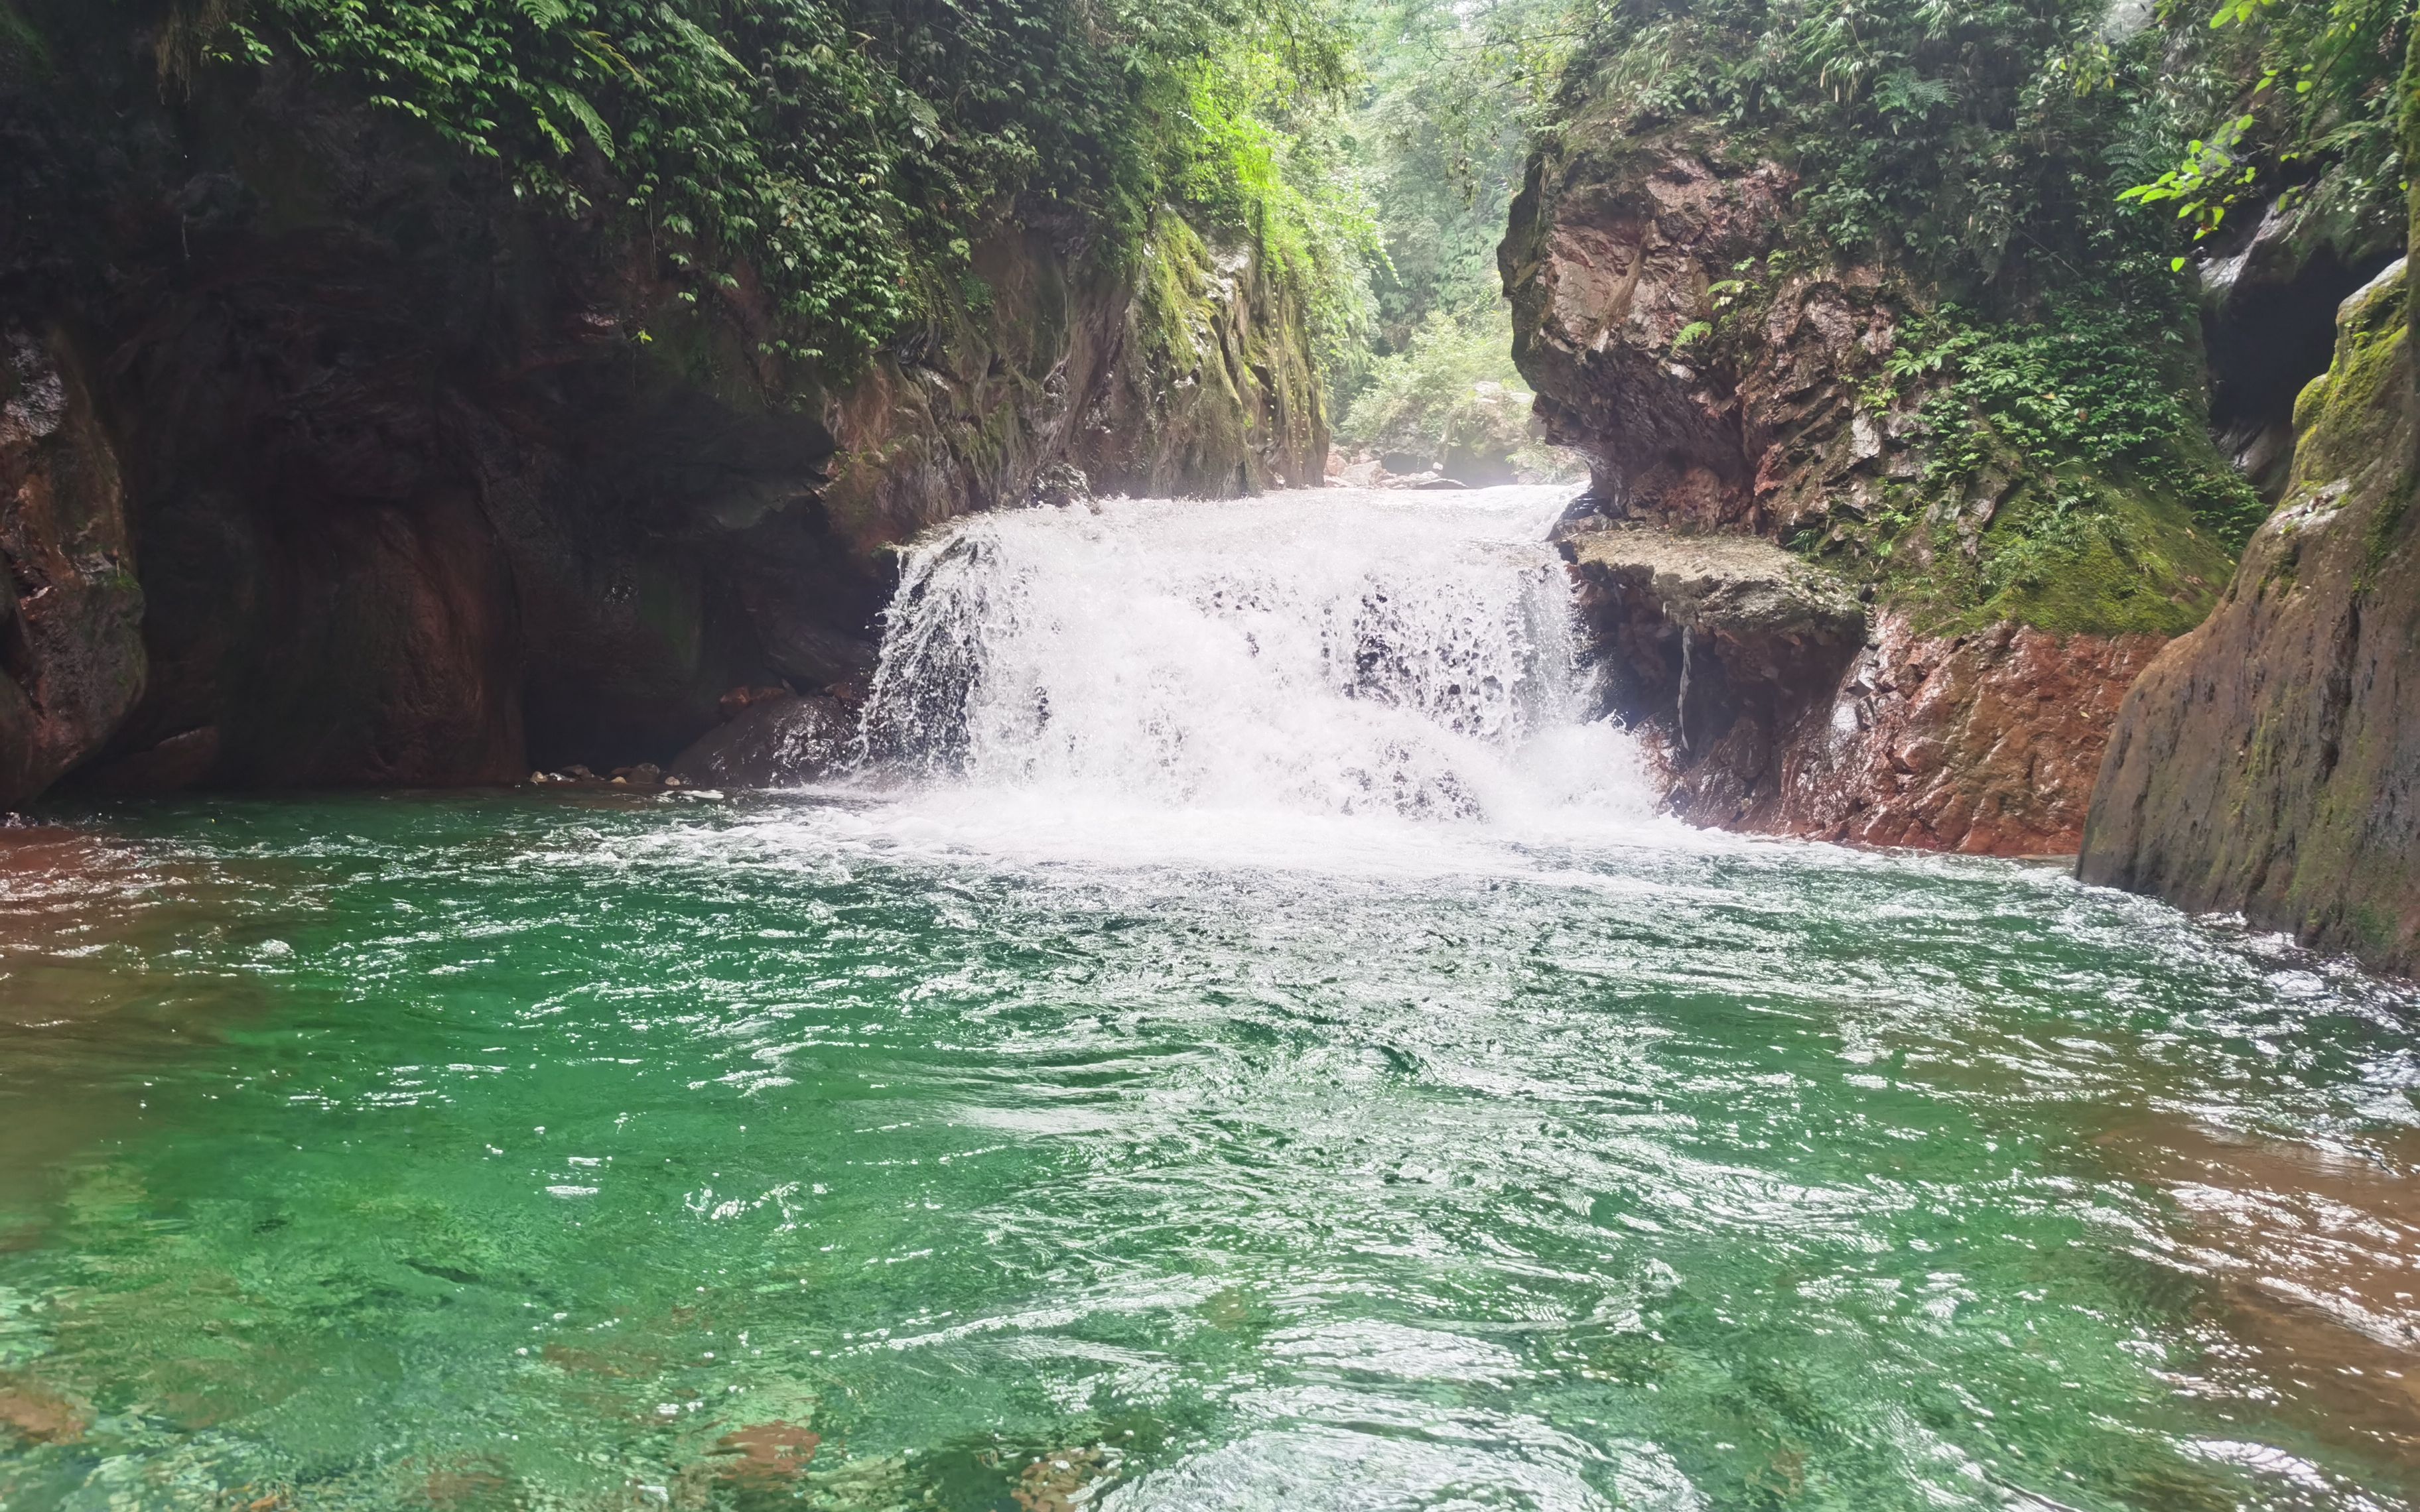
(1263, 673)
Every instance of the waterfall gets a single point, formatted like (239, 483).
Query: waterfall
(1337, 650)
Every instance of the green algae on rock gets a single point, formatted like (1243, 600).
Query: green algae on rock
(2269, 762)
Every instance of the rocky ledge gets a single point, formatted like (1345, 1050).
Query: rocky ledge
(1771, 701)
(1874, 708)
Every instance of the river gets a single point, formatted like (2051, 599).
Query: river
(1244, 1040)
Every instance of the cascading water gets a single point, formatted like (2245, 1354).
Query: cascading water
(1343, 652)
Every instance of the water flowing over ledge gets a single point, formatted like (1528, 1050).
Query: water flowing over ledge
(1316, 654)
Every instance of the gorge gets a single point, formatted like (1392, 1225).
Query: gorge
(859, 755)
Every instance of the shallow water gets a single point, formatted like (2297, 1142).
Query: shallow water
(996, 1142)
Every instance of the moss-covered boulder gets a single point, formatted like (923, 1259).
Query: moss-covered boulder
(2269, 762)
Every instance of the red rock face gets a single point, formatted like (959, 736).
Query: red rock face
(1608, 263)
(1986, 742)
(70, 648)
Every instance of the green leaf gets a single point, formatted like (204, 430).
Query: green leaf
(579, 110)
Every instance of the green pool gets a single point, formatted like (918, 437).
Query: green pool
(564, 1151)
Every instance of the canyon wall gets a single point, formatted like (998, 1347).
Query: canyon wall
(2268, 764)
(1722, 386)
(324, 460)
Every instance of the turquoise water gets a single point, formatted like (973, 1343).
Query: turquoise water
(569, 1151)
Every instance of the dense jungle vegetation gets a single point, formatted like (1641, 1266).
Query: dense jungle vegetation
(843, 152)
(2043, 171)
(2035, 179)
(2042, 168)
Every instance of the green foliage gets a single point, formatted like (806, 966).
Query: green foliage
(2323, 109)
(1453, 91)
(2068, 482)
(1248, 144)
(1975, 155)
(1452, 392)
(840, 152)
(1979, 146)
(2074, 392)
(2077, 394)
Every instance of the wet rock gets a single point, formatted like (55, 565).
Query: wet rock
(71, 658)
(1713, 647)
(1057, 486)
(1978, 738)
(34, 1412)
(2269, 762)
(1986, 742)
(774, 743)
(1734, 588)
(1207, 384)
(766, 1455)
(736, 702)
(2268, 295)
(180, 762)
(1064, 1480)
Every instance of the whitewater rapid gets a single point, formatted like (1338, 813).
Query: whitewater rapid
(1214, 667)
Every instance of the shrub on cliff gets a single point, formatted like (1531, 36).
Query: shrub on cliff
(2033, 340)
(842, 152)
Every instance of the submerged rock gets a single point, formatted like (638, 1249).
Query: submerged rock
(773, 743)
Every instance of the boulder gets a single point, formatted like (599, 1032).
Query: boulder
(773, 743)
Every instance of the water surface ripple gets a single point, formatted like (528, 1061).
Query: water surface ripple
(405, 1152)
(1245, 1046)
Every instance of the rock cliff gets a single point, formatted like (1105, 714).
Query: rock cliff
(327, 461)
(2269, 762)
(1723, 383)
(70, 642)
